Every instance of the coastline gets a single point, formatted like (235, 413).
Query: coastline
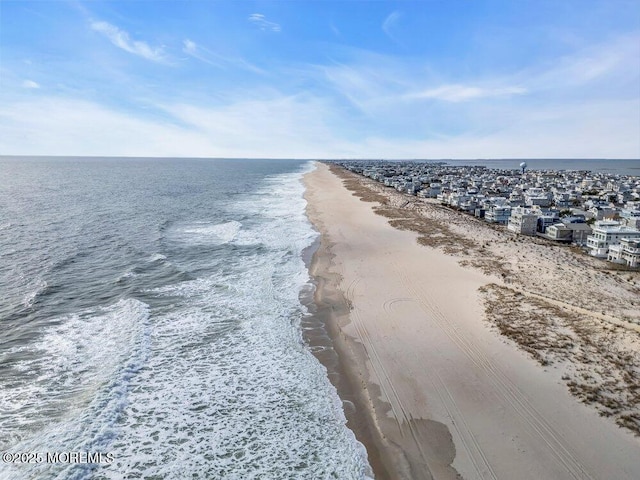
(369, 419)
(328, 309)
(437, 392)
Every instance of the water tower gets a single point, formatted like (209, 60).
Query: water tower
(523, 165)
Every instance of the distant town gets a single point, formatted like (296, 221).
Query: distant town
(599, 212)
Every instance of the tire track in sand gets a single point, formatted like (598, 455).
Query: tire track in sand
(385, 382)
(470, 444)
(504, 386)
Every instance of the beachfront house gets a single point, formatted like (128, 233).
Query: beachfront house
(569, 230)
(497, 213)
(522, 221)
(607, 233)
(546, 218)
(558, 233)
(627, 252)
(434, 189)
(580, 231)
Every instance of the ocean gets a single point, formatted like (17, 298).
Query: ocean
(152, 311)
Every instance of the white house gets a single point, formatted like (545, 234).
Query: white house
(630, 218)
(522, 221)
(627, 252)
(607, 233)
(498, 214)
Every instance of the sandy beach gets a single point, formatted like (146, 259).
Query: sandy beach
(470, 353)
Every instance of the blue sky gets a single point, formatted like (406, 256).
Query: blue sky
(321, 79)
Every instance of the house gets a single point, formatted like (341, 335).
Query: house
(537, 196)
(434, 189)
(498, 214)
(626, 252)
(562, 199)
(580, 231)
(607, 233)
(522, 221)
(630, 218)
(602, 212)
(546, 218)
(558, 232)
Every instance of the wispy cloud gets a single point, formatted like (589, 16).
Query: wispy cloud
(270, 125)
(609, 62)
(205, 55)
(579, 100)
(297, 126)
(390, 23)
(539, 133)
(367, 79)
(192, 49)
(263, 24)
(121, 39)
(335, 30)
(463, 93)
(30, 84)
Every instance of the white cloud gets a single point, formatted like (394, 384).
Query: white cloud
(462, 93)
(390, 23)
(205, 55)
(587, 115)
(192, 49)
(279, 126)
(30, 84)
(610, 61)
(369, 80)
(596, 130)
(263, 24)
(335, 30)
(121, 39)
(602, 130)
(308, 127)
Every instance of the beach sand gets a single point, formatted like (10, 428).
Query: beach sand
(442, 389)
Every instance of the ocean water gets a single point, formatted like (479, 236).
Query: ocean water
(151, 309)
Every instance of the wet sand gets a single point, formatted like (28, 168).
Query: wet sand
(437, 392)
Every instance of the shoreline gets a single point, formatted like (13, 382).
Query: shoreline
(328, 309)
(369, 419)
(430, 424)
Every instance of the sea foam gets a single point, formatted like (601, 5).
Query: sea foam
(208, 233)
(71, 385)
(208, 378)
(238, 394)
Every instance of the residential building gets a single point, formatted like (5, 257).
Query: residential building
(630, 218)
(498, 214)
(607, 233)
(558, 232)
(580, 232)
(522, 221)
(626, 252)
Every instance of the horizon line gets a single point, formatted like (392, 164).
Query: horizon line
(315, 158)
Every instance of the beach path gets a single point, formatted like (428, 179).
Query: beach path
(449, 395)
